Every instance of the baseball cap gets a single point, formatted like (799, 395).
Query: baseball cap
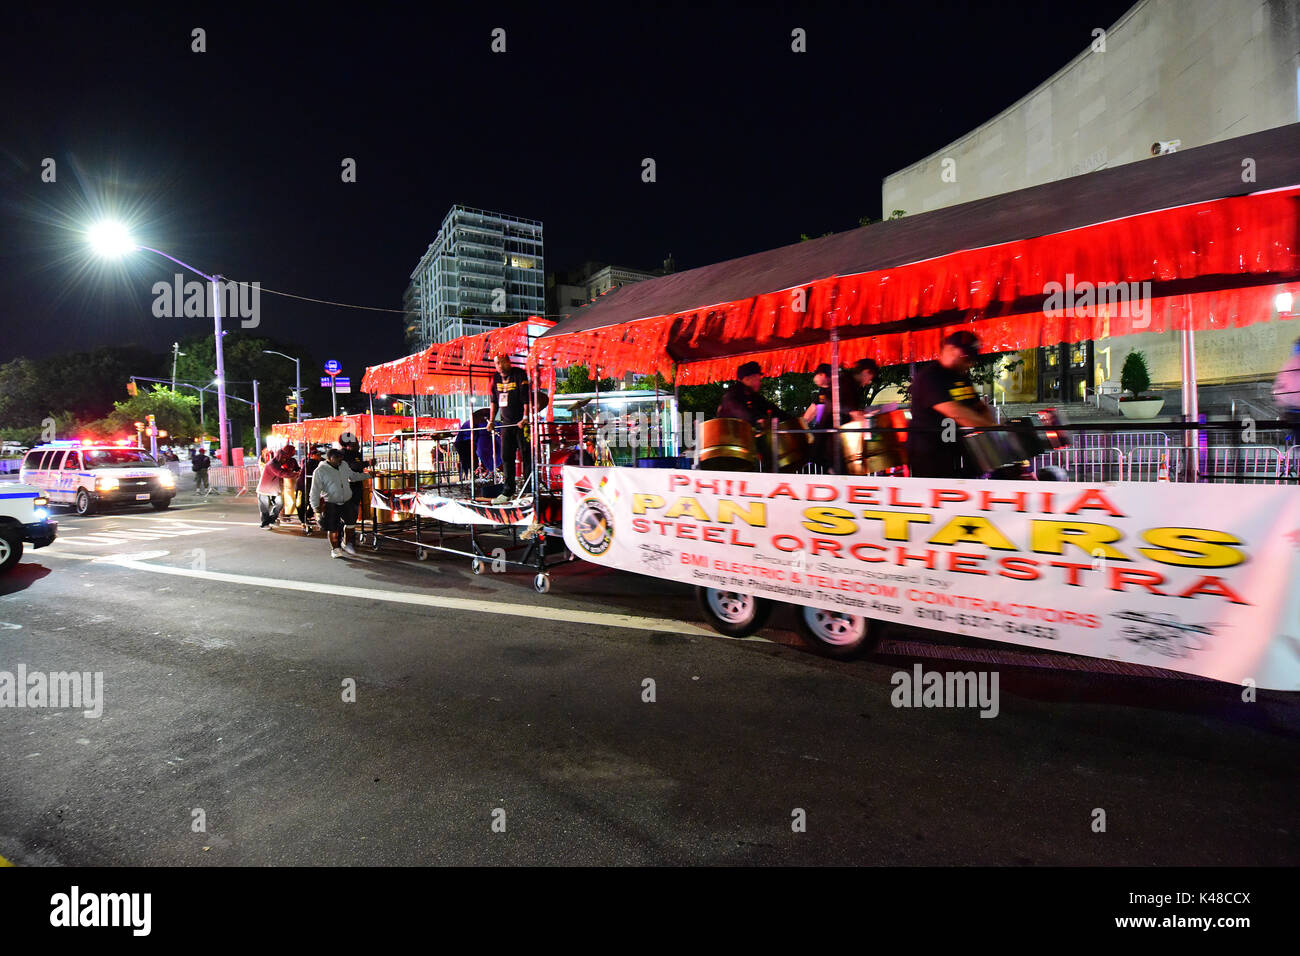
(823, 369)
(748, 369)
(965, 340)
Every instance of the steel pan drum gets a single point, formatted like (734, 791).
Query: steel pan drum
(728, 444)
(991, 450)
(869, 450)
(791, 449)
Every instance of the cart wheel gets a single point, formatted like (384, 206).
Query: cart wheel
(422, 555)
(835, 634)
(306, 529)
(733, 613)
(476, 566)
(374, 542)
(542, 583)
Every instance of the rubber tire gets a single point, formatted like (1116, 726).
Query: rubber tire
(421, 555)
(808, 619)
(542, 583)
(85, 504)
(762, 609)
(477, 566)
(11, 549)
(160, 504)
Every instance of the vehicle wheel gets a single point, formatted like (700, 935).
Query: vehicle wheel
(421, 555)
(11, 550)
(84, 504)
(374, 542)
(542, 583)
(837, 634)
(160, 504)
(733, 613)
(477, 566)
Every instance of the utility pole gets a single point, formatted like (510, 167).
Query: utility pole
(257, 423)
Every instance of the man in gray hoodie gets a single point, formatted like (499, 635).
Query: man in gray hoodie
(331, 488)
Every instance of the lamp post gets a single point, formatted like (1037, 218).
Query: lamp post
(176, 351)
(297, 380)
(112, 240)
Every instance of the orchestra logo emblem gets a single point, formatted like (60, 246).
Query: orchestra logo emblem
(594, 526)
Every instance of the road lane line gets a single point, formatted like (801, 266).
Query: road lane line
(535, 611)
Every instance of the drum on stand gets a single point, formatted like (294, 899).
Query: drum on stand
(875, 446)
(792, 441)
(993, 449)
(728, 444)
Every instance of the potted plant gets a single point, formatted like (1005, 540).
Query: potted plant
(1135, 379)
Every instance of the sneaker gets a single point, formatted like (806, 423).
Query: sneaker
(500, 499)
(347, 546)
(335, 553)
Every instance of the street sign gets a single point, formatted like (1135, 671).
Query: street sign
(332, 367)
(341, 389)
(342, 381)
(325, 382)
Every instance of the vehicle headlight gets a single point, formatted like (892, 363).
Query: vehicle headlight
(105, 484)
(40, 502)
(167, 479)
(41, 514)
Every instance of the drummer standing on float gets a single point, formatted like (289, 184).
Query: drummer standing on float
(510, 401)
(743, 399)
(818, 416)
(943, 391)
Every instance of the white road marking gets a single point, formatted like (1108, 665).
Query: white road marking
(535, 611)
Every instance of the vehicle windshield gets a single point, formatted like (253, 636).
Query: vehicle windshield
(117, 458)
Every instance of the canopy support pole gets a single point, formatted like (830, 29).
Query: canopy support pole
(1191, 411)
(835, 398)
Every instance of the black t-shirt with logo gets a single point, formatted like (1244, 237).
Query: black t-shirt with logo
(929, 456)
(510, 395)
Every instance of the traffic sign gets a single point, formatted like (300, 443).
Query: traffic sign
(325, 382)
(341, 389)
(342, 381)
(332, 367)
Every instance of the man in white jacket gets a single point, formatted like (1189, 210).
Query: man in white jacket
(331, 487)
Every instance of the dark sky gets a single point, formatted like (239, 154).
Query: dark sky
(230, 159)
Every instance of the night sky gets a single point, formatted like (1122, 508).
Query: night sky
(230, 159)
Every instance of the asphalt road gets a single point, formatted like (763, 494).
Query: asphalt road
(226, 650)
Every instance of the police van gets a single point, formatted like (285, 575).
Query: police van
(91, 474)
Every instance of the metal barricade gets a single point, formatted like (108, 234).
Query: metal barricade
(1085, 464)
(1291, 463)
(1242, 464)
(1155, 463)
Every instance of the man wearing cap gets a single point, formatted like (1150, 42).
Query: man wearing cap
(509, 409)
(743, 399)
(941, 391)
(818, 416)
(331, 488)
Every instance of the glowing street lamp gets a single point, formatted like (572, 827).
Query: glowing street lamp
(112, 240)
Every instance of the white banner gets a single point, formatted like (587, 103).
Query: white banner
(1197, 578)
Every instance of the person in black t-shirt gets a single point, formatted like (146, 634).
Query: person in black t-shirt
(743, 399)
(510, 402)
(943, 390)
(853, 382)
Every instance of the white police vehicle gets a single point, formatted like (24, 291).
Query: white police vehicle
(90, 474)
(24, 517)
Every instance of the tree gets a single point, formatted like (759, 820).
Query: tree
(1135, 377)
(176, 414)
(577, 378)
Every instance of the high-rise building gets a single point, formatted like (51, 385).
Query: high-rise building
(566, 292)
(482, 271)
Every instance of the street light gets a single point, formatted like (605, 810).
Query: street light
(112, 240)
(176, 350)
(297, 379)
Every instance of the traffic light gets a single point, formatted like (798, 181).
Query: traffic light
(131, 388)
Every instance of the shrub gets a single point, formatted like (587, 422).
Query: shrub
(1135, 377)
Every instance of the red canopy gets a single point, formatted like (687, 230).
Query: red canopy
(1211, 265)
(452, 367)
(329, 429)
